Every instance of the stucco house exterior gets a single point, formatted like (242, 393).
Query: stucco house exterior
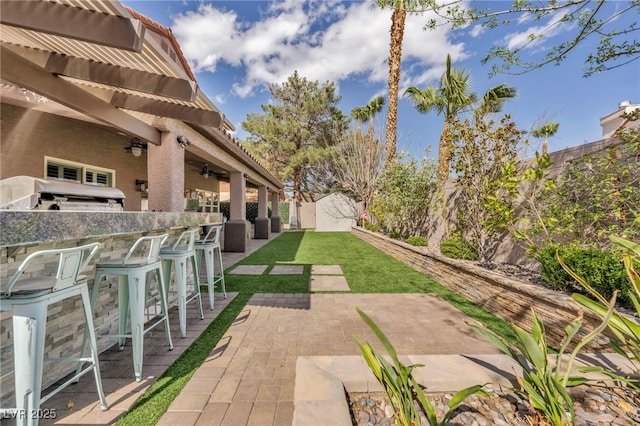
(109, 99)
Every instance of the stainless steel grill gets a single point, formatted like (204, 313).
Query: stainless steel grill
(30, 193)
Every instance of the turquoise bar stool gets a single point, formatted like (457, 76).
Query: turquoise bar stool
(134, 273)
(210, 247)
(29, 299)
(180, 254)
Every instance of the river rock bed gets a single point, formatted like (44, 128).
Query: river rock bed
(594, 406)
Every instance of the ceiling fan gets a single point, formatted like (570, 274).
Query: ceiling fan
(205, 172)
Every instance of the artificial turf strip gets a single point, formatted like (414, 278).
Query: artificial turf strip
(367, 269)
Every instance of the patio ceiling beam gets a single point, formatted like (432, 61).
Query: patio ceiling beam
(118, 76)
(167, 109)
(80, 24)
(24, 73)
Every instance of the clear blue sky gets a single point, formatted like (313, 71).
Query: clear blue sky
(237, 48)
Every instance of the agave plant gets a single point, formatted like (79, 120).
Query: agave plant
(401, 387)
(544, 383)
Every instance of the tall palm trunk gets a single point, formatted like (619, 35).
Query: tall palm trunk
(444, 152)
(395, 57)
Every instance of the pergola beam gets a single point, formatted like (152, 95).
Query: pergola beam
(80, 24)
(24, 73)
(167, 109)
(113, 75)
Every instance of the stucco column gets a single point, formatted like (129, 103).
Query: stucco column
(263, 223)
(165, 164)
(275, 212)
(237, 229)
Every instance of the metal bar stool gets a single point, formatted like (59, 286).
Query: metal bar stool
(133, 286)
(29, 299)
(209, 246)
(180, 254)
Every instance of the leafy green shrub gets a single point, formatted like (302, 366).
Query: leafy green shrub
(395, 235)
(373, 227)
(417, 240)
(603, 270)
(457, 247)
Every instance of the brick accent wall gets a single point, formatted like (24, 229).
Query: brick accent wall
(507, 298)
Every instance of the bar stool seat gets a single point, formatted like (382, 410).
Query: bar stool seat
(210, 247)
(133, 273)
(29, 299)
(180, 255)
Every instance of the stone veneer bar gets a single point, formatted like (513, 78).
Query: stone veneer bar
(24, 232)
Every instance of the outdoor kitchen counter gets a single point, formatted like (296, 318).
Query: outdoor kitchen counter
(28, 228)
(24, 232)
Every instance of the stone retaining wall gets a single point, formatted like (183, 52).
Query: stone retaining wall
(507, 298)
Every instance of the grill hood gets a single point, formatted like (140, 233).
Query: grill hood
(30, 193)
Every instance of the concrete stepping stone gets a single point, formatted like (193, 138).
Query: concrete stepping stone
(287, 270)
(248, 270)
(326, 270)
(328, 283)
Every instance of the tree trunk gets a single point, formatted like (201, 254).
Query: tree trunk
(297, 183)
(395, 58)
(444, 153)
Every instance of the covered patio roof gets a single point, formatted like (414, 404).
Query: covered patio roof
(108, 52)
(107, 64)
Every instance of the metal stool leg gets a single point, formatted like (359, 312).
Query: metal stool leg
(29, 357)
(196, 283)
(137, 299)
(164, 305)
(221, 276)
(124, 296)
(88, 315)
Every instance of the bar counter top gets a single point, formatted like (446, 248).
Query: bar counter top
(24, 228)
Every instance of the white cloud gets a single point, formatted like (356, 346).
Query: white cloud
(522, 40)
(322, 40)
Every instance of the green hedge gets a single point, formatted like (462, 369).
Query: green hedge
(252, 211)
(603, 270)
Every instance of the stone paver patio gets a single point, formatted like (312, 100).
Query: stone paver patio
(248, 270)
(328, 283)
(287, 270)
(249, 378)
(326, 270)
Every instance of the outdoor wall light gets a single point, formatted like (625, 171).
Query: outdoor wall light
(246, 176)
(136, 147)
(142, 185)
(183, 142)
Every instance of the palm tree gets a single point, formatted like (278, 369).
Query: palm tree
(452, 97)
(366, 113)
(545, 131)
(398, 17)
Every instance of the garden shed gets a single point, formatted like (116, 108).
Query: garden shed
(335, 212)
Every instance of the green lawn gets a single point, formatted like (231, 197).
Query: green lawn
(367, 270)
